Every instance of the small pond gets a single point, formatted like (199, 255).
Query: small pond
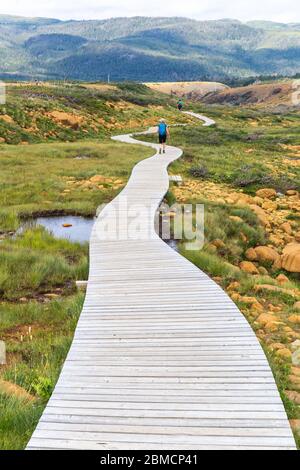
(79, 228)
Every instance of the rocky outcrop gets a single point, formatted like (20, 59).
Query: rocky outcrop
(290, 258)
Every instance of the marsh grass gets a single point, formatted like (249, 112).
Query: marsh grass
(36, 262)
(38, 337)
(18, 419)
(242, 150)
(33, 180)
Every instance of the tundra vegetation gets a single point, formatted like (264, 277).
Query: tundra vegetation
(56, 157)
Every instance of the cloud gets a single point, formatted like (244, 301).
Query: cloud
(275, 10)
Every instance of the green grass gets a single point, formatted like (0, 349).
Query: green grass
(219, 153)
(28, 118)
(36, 179)
(38, 337)
(18, 419)
(36, 263)
(33, 178)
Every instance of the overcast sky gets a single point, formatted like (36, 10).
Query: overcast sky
(275, 10)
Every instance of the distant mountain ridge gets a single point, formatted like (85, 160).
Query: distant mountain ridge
(146, 48)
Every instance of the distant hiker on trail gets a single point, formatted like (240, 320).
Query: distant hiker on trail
(163, 134)
(180, 104)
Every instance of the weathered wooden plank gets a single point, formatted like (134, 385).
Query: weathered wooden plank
(161, 358)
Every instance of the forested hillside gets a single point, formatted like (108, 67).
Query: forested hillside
(146, 49)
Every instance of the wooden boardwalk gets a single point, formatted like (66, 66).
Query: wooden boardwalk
(161, 358)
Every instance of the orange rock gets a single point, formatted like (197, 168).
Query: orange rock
(251, 254)
(235, 296)
(233, 286)
(295, 425)
(284, 353)
(277, 346)
(265, 253)
(293, 396)
(272, 326)
(266, 193)
(269, 206)
(286, 227)
(97, 179)
(271, 288)
(66, 119)
(291, 258)
(6, 118)
(260, 213)
(282, 279)
(218, 243)
(265, 318)
(294, 319)
(248, 267)
(274, 308)
(243, 200)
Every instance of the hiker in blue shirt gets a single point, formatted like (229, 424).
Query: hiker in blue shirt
(163, 134)
(180, 105)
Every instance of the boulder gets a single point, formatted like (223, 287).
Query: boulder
(267, 254)
(269, 287)
(272, 326)
(218, 243)
(251, 254)
(248, 267)
(290, 258)
(277, 346)
(295, 424)
(294, 319)
(296, 305)
(282, 279)
(260, 213)
(269, 206)
(284, 353)
(265, 318)
(266, 193)
(297, 236)
(243, 200)
(97, 179)
(235, 285)
(292, 192)
(286, 227)
(293, 396)
(258, 200)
